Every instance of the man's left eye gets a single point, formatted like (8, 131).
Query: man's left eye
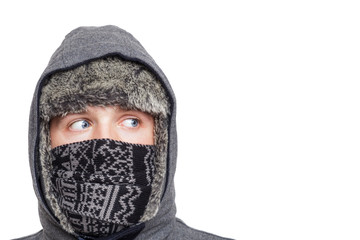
(131, 122)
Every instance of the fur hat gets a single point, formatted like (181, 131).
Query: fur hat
(104, 82)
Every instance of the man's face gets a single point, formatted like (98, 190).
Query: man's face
(103, 122)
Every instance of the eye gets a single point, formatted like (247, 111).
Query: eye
(131, 122)
(80, 125)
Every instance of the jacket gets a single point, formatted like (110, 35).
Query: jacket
(80, 46)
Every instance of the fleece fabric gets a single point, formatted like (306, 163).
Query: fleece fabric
(83, 45)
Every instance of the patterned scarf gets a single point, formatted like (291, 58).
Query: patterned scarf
(102, 185)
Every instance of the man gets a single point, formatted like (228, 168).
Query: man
(102, 142)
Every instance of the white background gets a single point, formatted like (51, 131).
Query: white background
(268, 108)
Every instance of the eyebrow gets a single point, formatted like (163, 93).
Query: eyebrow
(69, 114)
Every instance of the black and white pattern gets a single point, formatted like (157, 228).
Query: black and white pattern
(102, 185)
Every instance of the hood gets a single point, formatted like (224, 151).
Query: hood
(81, 46)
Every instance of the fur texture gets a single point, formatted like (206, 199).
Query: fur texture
(104, 82)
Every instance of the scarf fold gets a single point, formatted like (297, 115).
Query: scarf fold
(102, 185)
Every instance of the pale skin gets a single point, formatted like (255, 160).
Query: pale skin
(103, 122)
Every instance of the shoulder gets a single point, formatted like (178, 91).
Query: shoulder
(35, 236)
(186, 233)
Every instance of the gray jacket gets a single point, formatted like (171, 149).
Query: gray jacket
(78, 49)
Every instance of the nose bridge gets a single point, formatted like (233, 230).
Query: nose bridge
(105, 130)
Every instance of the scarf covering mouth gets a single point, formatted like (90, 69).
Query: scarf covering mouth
(102, 185)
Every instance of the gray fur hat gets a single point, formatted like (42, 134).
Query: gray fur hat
(104, 82)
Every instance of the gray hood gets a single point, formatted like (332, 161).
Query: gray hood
(80, 46)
